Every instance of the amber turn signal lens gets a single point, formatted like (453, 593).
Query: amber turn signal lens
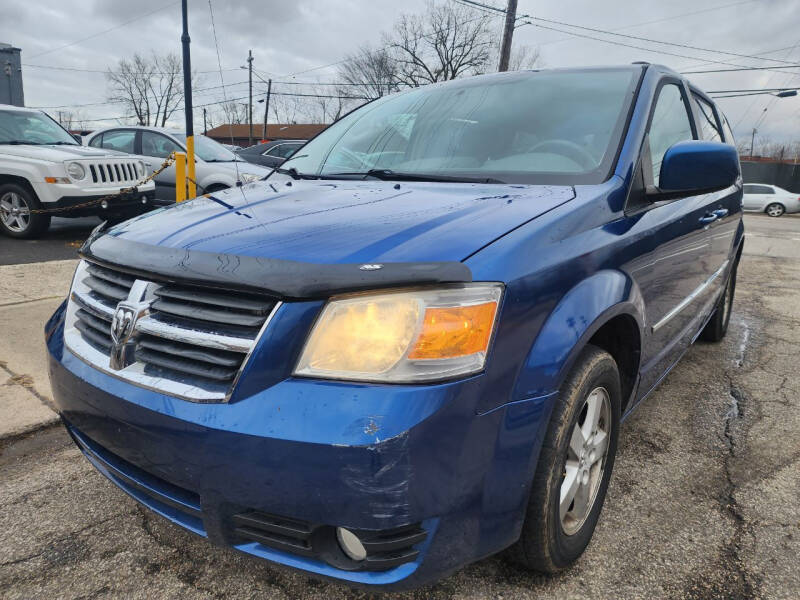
(454, 331)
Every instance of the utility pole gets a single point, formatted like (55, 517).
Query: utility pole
(187, 100)
(205, 126)
(752, 141)
(508, 34)
(250, 78)
(266, 109)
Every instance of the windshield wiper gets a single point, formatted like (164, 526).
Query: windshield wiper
(294, 174)
(61, 144)
(389, 175)
(21, 143)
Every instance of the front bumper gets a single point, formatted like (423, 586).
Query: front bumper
(370, 458)
(127, 204)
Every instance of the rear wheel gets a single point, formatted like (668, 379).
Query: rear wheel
(17, 216)
(775, 209)
(574, 467)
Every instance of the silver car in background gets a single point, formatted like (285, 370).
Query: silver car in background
(216, 167)
(770, 199)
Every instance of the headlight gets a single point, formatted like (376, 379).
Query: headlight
(140, 166)
(404, 336)
(249, 177)
(76, 171)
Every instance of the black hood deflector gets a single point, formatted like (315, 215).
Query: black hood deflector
(282, 278)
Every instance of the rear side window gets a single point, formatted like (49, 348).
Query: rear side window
(121, 141)
(758, 189)
(669, 126)
(709, 126)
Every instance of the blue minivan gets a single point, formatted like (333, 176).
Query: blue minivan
(413, 345)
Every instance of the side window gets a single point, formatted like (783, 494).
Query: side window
(97, 141)
(670, 125)
(288, 149)
(707, 119)
(274, 151)
(121, 141)
(766, 190)
(726, 129)
(750, 189)
(155, 144)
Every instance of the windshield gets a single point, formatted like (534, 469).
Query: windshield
(208, 150)
(18, 127)
(524, 127)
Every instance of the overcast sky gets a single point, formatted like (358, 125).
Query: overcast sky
(294, 38)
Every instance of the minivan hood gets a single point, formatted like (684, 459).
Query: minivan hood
(332, 222)
(55, 153)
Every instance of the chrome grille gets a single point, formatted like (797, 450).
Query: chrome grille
(191, 342)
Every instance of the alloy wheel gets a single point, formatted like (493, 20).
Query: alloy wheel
(586, 458)
(775, 210)
(15, 212)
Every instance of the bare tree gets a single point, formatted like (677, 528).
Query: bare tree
(233, 112)
(370, 73)
(150, 88)
(525, 57)
(446, 42)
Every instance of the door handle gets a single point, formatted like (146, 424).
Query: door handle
(721, 212)
(709, 217)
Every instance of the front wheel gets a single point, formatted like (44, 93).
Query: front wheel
(17, 212)
(574, 467)
(775, 209)
(717, 327)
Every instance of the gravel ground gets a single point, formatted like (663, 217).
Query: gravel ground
(702, 503)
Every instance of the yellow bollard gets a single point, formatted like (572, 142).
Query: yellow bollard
(180, 177)
(190, 167)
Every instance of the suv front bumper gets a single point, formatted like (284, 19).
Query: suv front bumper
(380, 460)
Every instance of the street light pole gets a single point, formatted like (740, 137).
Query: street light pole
(250, 79)
(187, 100)
(752, 141)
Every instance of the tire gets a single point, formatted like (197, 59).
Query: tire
(16, 220)
(775, 209)
(717, 327)
(550, 542)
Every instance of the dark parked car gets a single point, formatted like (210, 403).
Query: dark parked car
(414, 345)
(270, 154)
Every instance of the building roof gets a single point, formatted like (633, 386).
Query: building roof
(299, 131)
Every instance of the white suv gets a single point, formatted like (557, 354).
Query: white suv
(42, 167)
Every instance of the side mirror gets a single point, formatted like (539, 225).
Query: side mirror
(695, 167)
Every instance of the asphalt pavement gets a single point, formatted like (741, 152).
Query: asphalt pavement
(703, 502)
(61, 241)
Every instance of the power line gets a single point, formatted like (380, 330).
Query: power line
(94, 35)
(495, 9)
(106, 71)
(770, 68)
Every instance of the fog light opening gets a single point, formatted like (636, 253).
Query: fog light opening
(350, 544)
(104, 204)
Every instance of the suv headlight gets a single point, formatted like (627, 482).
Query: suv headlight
(76, 171)
(249, 177)
(403, 336)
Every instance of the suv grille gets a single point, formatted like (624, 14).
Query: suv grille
(118, 171)
(187, 341)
